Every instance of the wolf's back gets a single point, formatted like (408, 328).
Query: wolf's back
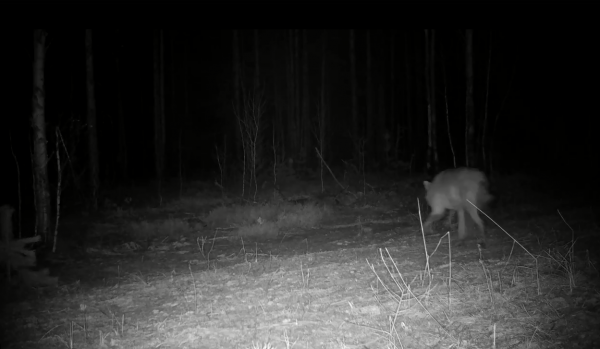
(471, 184)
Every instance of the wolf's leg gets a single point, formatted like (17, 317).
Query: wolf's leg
(475, 215)
(433, 216)
(461, 224)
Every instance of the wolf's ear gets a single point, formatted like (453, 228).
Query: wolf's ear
(426, 184)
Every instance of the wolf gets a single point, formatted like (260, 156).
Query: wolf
(450, 190)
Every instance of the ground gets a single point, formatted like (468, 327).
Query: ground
(310, 266)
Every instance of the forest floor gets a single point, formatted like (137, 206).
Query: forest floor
(310, 266)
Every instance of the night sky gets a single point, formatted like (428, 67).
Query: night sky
(547, 126)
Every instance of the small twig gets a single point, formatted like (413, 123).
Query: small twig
(195, 291)
(58, 189)
(209, 251)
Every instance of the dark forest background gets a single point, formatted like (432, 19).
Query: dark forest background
(540, 108)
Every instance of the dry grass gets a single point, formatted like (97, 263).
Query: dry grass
(267, 221)
(398, 292)
(514, 302)
(173, 227)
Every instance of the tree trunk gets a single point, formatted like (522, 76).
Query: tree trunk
(173, 102)
(470, 105)
(237, 93)
(291, 89)
(278, 104)
(380, 144)
(408, 145)
(186, 112)
(297, 112)
(91, 119)
(256, 62)
(122, 152)
(324, 106)
(483, 128)
(370, 122)
(432, 100)
(420, 115)
(430, 124)
(353, 88)
(450, 142)
(305, 99)
(392, 116)
(38, 126)
(159, 111)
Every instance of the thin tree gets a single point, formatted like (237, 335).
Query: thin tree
(237, 90)
(38, 126)
(420, 119)
(305, 100)
(174, 102)
(381, 117)
(294, 130)
(322, 125)
(159, 110)
(370, 122)
(433, 99)
(279, 105)
(186, 113)
(297, 91)
(409, 96)
(447, 111)
(353, 89)
(482, 138)
(392, 115)
(432, 155)
(256, 62)
(91, 120)
(278, 132)
(470, 104)
(122, 152)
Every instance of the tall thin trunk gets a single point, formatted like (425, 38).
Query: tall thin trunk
(186, 109)
(74, 133)
(292, 116)
(173, 102)
(392, 114)
(409, 124)
(38, 126)
(353, 88)
(470, 104)
(430, 125)
(162, 99)
(159, 111)
(237, 93)
(450, 142)
(324, 106)
(482, 133)
(305, 96)
(433, 100)
(370, 122)
(122, 157)
(381, 124)
(278, 132)
(420, 115)
(91, 119)
(277, 124)
(256, 62)
(299, 125)
(432, 153)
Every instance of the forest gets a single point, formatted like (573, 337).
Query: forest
(185, 160)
